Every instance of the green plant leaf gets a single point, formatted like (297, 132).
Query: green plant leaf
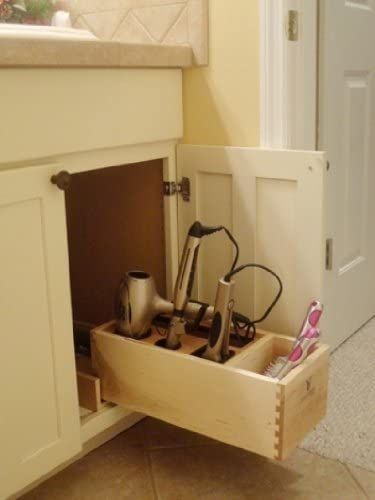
(20, 5)
(39, 9)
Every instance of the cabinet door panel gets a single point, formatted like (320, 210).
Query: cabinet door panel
(39, 417)
(272, 201)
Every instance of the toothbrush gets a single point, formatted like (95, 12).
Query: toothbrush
(311, 320)
(300, 352)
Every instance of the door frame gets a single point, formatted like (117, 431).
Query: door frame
(288, 75)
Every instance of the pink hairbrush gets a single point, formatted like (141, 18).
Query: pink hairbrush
(312, 318)
(309, 334)
(304, 347)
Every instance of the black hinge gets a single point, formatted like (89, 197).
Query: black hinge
(169, 188)
(183, 187)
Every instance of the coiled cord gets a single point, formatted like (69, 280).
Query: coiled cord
(240, 321)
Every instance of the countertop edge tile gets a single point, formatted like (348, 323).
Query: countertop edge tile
(18, 52)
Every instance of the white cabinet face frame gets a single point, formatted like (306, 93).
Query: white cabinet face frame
(138, 106)
(39, 418)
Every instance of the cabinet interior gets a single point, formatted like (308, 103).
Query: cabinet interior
(115, 222)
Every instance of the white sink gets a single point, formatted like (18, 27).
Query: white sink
(43, 32)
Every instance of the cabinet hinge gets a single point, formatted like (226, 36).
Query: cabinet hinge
(182, 188)
(329, 254)
(292, 26)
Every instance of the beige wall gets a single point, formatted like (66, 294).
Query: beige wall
(221, 101)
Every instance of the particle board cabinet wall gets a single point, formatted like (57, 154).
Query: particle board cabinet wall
(103, 202)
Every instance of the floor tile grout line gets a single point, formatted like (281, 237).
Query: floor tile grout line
(181, 446)
(356, 481)
(151, 471)
(346, 466)
(158, 449)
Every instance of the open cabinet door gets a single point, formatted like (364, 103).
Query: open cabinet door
(272, 202)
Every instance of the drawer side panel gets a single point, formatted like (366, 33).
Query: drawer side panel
(303, 400)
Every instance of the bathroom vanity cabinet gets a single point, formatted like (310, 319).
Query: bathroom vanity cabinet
(60, 260)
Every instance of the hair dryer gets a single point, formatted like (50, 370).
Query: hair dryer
(137, 303)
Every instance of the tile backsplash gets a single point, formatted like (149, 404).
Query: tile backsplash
(164, 22)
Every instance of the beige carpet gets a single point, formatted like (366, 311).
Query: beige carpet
(347, 433)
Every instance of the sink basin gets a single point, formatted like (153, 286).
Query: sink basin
(43, 32)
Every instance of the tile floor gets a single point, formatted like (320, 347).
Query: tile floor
(154, 460)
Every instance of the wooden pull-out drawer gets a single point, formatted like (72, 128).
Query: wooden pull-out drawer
(232, 403)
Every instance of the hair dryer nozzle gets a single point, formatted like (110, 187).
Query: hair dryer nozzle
(137, 303)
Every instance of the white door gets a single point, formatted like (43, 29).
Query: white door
(346, 133)
(39, 417)
(273, 202)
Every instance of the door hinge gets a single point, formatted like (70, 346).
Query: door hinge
(329, 254)
(182, 188)
(292, 26)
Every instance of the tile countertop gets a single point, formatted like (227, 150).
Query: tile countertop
(18, 52)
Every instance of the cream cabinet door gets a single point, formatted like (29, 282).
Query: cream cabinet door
(39, 417)
(273, 202)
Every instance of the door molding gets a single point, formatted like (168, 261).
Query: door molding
(288, 75)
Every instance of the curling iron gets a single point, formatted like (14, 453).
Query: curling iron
(217, 348)
(185, 280)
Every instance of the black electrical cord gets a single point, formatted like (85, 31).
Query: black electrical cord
(241, 322)
(231, 237)
(197, 230)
